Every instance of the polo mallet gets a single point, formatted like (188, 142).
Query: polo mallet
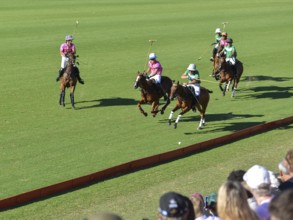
(75, 28)
(151, 44)
(224, 25)
(203, 53)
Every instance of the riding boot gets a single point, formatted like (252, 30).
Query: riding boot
(61, 71)
(214, 54)
(80, 80)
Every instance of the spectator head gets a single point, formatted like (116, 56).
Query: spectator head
(236, 175)
(174, 206)
(257, 179)
(198, 204)
(289, 159)
(286, 166)
(232, 202)
(281, 206)
(103, 216)
(211, 203)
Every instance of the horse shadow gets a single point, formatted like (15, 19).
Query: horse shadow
(106, 102)
(232, 127)
(213, 117)
(268, 78)
(273, 92)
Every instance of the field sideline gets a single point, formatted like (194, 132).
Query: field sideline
(41, 143)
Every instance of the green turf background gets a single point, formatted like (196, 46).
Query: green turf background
(42, 143)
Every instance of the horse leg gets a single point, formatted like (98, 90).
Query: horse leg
(165, 106)
(62, 98)
(234, 86)
(72, 97)
(228, 85)
(186, 109)
(171, 113)
(140, 108)
(72, 100)
(155, 108)
(220, 86)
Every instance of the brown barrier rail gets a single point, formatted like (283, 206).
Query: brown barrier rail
(131, 166)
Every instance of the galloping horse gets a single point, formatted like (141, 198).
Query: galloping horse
(68, 80)
(186, 100)
(226, 75)
(151, 94)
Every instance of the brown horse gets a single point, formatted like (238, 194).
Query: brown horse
(186, 100)
(226, 74)
(68, 80)
(151, 94)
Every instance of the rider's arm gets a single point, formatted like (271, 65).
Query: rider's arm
(154, 72)
(61, 51)
(184, 76)
(148, 70)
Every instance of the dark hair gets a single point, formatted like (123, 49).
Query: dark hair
(236, 175)
(281, 206)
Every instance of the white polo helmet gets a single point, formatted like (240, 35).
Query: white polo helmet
(218, 31)
(191, 67)
(152, 56)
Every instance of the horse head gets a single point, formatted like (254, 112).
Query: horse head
(141, 77)
(71, 58)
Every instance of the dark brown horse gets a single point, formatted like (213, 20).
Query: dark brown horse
(186, 100)
(151, 93)
(68, 80)
(226, 75)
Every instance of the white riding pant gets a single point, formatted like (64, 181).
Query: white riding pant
(196, 88)
(157, 78)
(231, 60)
(63, 61)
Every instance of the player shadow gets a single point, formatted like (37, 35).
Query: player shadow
(210, 117)
(106, 102)
(272, 92)
(263, 78)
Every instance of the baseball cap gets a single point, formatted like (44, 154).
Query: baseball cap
(256, 176)
(173, 204)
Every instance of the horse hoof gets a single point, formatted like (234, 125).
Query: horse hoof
(145, 114)
(175, 126)
(169, 122)
(199, 128)
(162, 112)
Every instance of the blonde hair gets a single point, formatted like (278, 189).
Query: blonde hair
(232, 202)
(289, 159)
(198, 204)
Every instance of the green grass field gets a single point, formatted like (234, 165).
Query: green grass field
(42, 143)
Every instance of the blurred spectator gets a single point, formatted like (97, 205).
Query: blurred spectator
(211, 204)
(199, 208)
(174, 206)
(257, 179)
(237, 175)
(281, 206)
(286, 171)
(232, 202)
(103, 216)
